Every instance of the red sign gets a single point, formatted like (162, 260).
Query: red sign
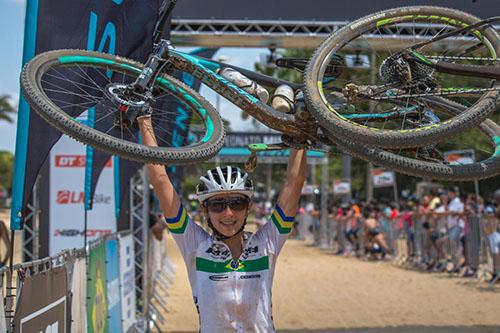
(74, 161)
(69, 197)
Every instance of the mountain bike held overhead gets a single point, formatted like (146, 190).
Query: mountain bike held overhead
(434, 82)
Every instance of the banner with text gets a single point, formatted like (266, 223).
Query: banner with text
(460, 157)
(342, 187)
(383, 178)
(67, 214)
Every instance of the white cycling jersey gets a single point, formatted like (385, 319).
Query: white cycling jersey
(231, 295)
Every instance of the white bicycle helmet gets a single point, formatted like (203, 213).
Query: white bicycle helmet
(224, 180)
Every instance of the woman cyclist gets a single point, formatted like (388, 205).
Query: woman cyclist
(230, 271)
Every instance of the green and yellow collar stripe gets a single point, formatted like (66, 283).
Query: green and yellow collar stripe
(178, 224)
(281, 221)
(209, 266)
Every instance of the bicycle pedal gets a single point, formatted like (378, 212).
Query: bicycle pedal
(251, 162)
(258, 147)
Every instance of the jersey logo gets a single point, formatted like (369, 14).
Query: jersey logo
(250, 276)
(218, 251)
(249, 251)
(235, 265)
(218, 277)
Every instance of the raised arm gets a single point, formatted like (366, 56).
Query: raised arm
(295, 176)
(167, 196)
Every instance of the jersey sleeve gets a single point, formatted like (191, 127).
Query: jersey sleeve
(186, 233)
(275, 232)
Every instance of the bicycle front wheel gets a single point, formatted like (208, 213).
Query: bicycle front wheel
(374, 75)
(70, 90)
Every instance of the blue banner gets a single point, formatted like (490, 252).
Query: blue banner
(113, 286)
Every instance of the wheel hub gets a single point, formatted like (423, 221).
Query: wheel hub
(396, 69)
(128, 105)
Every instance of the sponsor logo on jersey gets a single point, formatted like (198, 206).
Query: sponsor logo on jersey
(250, 252)
(219, 277)
(250, 276)
(218, 251)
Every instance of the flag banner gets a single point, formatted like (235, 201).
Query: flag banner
(113, 286)
(97, 307)
(105, 26)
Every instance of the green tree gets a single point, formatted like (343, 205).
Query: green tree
(6, 169)
(6, 109)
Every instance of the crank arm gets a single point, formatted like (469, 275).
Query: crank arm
(255, 148)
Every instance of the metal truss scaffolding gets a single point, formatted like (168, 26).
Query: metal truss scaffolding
(139, 208)
(251, 33)
(30, 238)
(284, 34)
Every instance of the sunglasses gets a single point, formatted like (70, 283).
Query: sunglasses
(219, 205)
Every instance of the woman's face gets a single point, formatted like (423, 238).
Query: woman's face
(227, 212)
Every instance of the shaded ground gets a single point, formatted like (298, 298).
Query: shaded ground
(421, 329)
(317, 292)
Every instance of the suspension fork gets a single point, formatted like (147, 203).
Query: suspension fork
(155, 62)
(160, 52)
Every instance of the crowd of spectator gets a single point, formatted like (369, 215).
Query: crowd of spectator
(442, 231)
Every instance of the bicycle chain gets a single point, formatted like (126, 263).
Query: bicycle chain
(462, 58)
(448, 93)
(444, 93)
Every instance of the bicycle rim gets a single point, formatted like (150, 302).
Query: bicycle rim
(70, 89)
(335, 102)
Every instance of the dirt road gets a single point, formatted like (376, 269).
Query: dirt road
(318, 292)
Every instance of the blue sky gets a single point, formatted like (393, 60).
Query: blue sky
(11, 49)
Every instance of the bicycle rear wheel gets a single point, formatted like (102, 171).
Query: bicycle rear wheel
(70, 88)
(420, 162)
(375, 76)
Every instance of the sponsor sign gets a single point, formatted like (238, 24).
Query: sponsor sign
(78, 297)
(127, 281)
(113, 286)
(66, 212)
(42, 304)
(308, 189)
(97, 306)
(342, 187)
(74, 161)
(383, 177)
(460, 157)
